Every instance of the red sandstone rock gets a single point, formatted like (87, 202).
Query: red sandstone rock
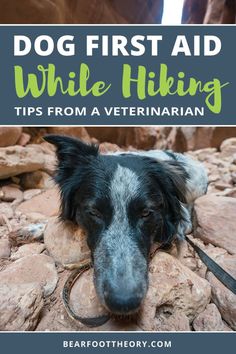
(215, 221)
(210, 320)
(28, 250)
(209, 11)
(15, 160)
(24, 139)
(5, 249)
(194, 11)
(223, 298)
(106, 148)
(173, 289)
(36, 180)
(228, 147)
(11, 193)
(77, 132)
(9, 135)
(73, 11)
(195, 138)
(220, 11)
(46, 203)
(38, 268)
(6, 210)
(66, 243)
(137, 137)
(20, 306)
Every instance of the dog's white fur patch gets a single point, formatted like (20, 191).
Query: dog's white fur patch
(196, 185)
(124, 186)
(117, 238)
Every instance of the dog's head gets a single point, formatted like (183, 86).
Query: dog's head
(125, 203)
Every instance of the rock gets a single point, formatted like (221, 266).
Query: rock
(213, 226)
(209, 11)
(11, 193)
(28, 250)
(226, 178)
(36, 180)
(24, 139)
(27, 234)
(176, 140)
(9, 135)
(20, 306)
(223, 298)
(5, 249)
(47, 147)
(194, 11)
(214, 178)
(6, 210)
(229, 12)
(187, 256)
(227, 193)
(141, 138)
(30, 193)
(83, 297)
(161, 139)
(214, 11)
(233, 175)
(173, 289)
(61, 12)
(15, 180)
(116, 324)
(15, 160)
(175, 322)
(210, 320)
(220, 11)
(77, 132)
(138, 137)
(119, 12)
(30, 11)
(174, 297)
(218, 135)
(37, 268)
(228, 147)
(106, 148)
(47, 203)
(36, 218)
(197, 138)
(54, 317)
(66, 243)
(85, 303)
(185, 138)
(50, 163)
(222, 185)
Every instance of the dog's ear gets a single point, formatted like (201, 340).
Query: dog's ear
(71, 150)
(172, 178)
(178, 177)
(73, 155)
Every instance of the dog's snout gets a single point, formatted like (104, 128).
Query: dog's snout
(120, 272)
(123, 301)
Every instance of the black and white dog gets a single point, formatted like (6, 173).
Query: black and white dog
(125, 202)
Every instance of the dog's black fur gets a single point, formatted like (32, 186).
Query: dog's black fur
(151, 213)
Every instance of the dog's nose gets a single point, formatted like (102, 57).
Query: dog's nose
(122, 301)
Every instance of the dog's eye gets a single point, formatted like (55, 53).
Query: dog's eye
(95, 213)
(145, 213)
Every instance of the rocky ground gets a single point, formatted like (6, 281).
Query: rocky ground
(37, 253)
(209, 11)
(116, 11)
